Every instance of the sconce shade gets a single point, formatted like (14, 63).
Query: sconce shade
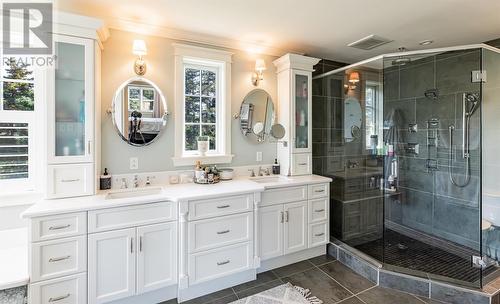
(139, 48)
(354, 77)
(260, 65)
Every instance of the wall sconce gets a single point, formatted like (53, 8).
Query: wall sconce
(258, 75)
(352, 81)
(139, 49)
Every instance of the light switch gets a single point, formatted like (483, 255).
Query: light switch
(134, 163)
(258, 156)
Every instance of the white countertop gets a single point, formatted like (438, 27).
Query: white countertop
(173, 193)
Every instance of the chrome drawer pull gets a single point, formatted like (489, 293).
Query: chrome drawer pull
(223, 263)
(319, 234)
(319, 210)
(51, 260)
(223, 232)
(59, 227)
(59, 298)
(319, 191)
(302, 164)
(223, 206)
(70, 180)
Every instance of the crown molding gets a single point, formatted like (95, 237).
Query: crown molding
(197, 38)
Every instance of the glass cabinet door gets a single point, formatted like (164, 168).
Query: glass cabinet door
(70, 100)
(301, 111)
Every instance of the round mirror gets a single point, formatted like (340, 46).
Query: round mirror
(352, 119)
(257, 114)
(139, 111)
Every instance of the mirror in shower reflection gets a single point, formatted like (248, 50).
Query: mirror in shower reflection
(400, 136)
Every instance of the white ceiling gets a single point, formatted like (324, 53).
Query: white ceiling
(320, 28)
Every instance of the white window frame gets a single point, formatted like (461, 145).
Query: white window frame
(204, 58)
(36, 139)
(377, 113)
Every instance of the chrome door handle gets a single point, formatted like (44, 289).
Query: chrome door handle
(59, 298)
(51, 260)
(59, 227)
(223, 232)
(223, 206)
(89, 145)
(70, 180)
(286, 216)
(131, 245)
(140, 244)
(223, 262)
(282, 219)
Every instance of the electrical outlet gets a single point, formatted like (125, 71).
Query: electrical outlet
(134, 163)
(258, 156)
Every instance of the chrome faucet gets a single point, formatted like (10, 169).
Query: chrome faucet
(124, 184)
(267, 172)
(148, 182)
(260, 171)
(136, 181)
(252, 173)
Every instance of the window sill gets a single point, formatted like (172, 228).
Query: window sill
(18, 199)
(189, 160)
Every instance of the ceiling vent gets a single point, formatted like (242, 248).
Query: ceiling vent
(369, 42)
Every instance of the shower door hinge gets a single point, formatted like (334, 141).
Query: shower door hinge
(479, 76)
(478, 262)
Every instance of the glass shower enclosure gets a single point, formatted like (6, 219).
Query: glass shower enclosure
(410, 140)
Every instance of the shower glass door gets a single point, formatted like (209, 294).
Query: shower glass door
(432, 122)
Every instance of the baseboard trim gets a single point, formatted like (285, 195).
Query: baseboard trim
(291, 258)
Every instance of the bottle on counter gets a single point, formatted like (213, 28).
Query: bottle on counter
(105, 180)
(276, 167)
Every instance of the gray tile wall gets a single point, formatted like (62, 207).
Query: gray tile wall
(430, 203)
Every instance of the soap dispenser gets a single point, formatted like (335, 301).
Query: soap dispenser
(105, 180)
(276, 167)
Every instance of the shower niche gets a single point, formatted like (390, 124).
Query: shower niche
(408, 190)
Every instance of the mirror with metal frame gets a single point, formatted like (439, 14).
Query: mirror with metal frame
(139, 111)
(257, 116)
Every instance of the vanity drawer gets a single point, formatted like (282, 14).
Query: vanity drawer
(318, 210)
(58, 226)
(70, 180)
(58, 258)
(131, 216)
(199, 209)
(318, 234)
(221, 231)
(317, 191)
(209, 265)
(284, 195)
(301, 164)
(67, 290)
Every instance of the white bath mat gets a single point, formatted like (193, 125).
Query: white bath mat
(283, 294)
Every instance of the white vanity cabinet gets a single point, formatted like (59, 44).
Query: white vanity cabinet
(293, 219)
(135, 259)
(295, 104)
(72, 113)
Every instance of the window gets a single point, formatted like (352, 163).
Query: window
(202, 88)
(141, 99)
(17, 119)
(200, 106)
(373, 113)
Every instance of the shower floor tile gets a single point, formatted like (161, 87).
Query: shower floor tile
(404, 252)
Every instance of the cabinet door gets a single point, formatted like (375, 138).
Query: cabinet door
(301, 85)
(271, 231)
(156, 257)
(295, 233)
(111, 265)
(71, 101)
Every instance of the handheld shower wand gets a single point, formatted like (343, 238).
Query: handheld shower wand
(467, 98)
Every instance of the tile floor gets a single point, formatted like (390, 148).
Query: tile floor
(327, 279)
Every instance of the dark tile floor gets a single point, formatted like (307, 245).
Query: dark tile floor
(327, 279)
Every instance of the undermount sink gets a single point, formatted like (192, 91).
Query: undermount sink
(268, 179)
(133, 193)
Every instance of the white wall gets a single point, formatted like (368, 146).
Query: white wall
(117, 67)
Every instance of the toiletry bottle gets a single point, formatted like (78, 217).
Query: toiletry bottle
(276, 167)
(105, 180)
